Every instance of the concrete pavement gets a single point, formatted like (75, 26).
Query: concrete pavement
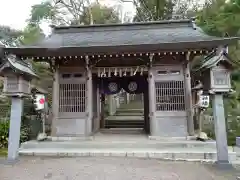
(109, 168)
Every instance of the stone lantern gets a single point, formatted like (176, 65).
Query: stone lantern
(216, 70)
(216, 74)
(17, 76)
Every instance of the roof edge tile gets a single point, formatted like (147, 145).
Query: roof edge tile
(183, 21)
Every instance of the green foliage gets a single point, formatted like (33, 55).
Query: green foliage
(9, 36)
(100, 14)
(31, 34)
(64, 12)
(153, 10)
(233, 127)
(42, 11)
(4, 126)
(24, 134)
(3, 152)
(4, 133)
(220, 17)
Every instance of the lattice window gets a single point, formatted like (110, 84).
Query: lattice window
(170, 96)
(72, 97)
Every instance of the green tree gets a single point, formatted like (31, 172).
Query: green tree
(31, 34)
(66, 12)
(100, 15)
(154, 10)
(220, 17)
(9, 36)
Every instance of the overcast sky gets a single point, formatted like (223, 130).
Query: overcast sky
(14, 13)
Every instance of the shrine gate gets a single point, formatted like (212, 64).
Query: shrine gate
(152, 58)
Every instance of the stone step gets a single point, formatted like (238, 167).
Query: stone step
(126, 110)
(124, 122)
(121, 143)
(127, 122)
(126, 126)
(132, 105)
(129, 114)
(170, 154)
(120, 131)
(125, 118)
(121, 124)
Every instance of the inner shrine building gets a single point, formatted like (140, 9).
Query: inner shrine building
(149, 58)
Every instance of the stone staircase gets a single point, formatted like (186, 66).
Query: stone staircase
(131, 145)
(129, 115)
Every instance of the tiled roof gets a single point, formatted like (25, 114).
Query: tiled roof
(125, 34)
(131, 37)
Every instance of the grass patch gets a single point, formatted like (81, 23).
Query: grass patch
(3, 152)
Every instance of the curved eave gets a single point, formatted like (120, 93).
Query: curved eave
(18, 68)
(180, 21)
(93, 50)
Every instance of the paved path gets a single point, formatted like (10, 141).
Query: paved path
(96, 168)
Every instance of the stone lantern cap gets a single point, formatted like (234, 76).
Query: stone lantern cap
(213, 59)
(17, 65)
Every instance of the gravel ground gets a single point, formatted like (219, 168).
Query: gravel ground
(107, 168)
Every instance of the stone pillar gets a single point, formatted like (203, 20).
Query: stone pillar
(111, 105)
(55, 102)
(127, 98)
(15, 127)
(152, 104)
(188, 98)
(220, 129)
(117, 101)
(89, 108)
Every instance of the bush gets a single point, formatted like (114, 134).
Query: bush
(4, 133)
(4, 126)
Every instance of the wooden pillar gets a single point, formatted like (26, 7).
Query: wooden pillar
(98, 109)
(89, 109)
(55, 101)
(102, 104)
(152, 100)
(188, 96)
(146, 111)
